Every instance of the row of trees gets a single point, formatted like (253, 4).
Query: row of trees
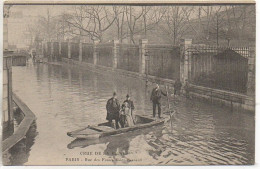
(99, 22)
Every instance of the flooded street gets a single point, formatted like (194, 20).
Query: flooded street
(64, 99)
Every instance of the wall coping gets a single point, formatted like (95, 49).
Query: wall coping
(24, 126)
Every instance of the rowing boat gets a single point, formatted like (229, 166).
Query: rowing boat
(117, 140)
(104, 129)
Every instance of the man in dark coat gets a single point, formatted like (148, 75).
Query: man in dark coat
(177, 87)
(156, 99)
(187, 88)
(113, 108)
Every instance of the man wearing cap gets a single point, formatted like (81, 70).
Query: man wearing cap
(156, 99)
(113, 108)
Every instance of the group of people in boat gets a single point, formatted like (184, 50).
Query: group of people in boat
(124, 115)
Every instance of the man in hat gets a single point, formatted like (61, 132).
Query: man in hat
(156, 99)
(187, 88)
(177, 87)
(113, 108)
(127, 117)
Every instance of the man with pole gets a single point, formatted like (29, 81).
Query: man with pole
(156, 99)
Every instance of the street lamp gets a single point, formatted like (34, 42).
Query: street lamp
(147, 59)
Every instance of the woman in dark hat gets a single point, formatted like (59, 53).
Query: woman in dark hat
(127, 114)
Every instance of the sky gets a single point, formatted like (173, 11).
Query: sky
(40, 10)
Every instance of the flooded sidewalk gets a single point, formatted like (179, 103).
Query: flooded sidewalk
(64, 99)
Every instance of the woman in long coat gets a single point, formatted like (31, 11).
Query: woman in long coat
(127, 114)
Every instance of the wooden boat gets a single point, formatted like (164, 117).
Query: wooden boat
(104, 129)
(116, 139)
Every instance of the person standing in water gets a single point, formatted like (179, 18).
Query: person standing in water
(177, 87)
(156, 99)
(187, 89)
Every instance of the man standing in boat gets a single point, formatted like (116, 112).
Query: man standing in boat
(113, 108)
(156, 99)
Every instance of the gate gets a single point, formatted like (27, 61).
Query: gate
(224, 68)
(164, 61)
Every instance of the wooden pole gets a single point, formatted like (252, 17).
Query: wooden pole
(168, 101)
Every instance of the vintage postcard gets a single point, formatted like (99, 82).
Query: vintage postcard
(88, 83)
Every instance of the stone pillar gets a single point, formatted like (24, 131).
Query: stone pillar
(69, 50)
(52, 51)
(189, 65)
(184, 65)
(115, 53)
(251, 72)
(43, 48)
(60, 50)
(47, 50)
(95, 57)
(80, 51)
(142, 50)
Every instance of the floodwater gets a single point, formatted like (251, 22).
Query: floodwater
(64, 99)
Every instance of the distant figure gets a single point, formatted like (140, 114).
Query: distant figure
(127, 117)
(33, 54)
(177, 87)
(113, 108)
(187, 88)
(156, 99)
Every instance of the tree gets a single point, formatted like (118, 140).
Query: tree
(91, 21)
(176, 19)
(133, 15)
(142, 19)
(120, 21)
(47, 26)
(63, 29)
(152, 16)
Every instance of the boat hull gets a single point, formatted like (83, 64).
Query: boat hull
(103, 129)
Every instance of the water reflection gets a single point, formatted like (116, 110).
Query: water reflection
(65, 99)
(19, 154)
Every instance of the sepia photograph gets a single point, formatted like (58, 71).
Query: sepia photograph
(128, 84)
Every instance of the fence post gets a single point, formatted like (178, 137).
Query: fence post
(142, 50)
(251, 72)
(184, 65)
(43, 48)
(69, 50)
(95, 52)
(80, 51)
(115, 53)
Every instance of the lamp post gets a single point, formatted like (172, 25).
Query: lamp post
(147, 59)
(5, 25)
(7, 108)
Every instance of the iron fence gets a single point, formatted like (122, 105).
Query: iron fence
(128, 57)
